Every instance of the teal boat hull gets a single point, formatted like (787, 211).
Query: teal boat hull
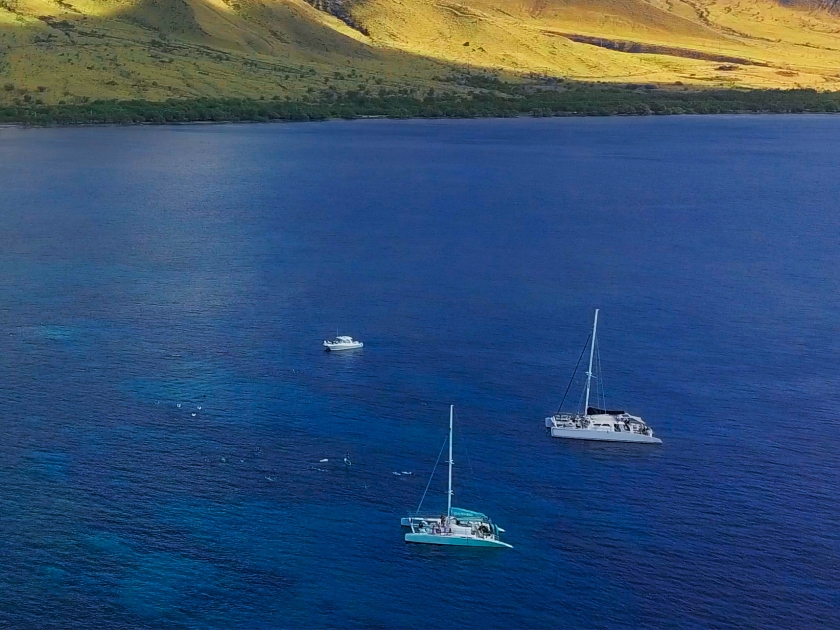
(459, 541)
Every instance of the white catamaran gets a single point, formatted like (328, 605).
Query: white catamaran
(605, 425)
(458, 527)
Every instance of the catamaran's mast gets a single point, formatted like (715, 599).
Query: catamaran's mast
(589, 373)
(449, 493)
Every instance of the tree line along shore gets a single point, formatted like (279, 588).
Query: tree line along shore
(470, 97)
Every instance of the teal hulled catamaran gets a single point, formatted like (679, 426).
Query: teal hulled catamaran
(460, 527)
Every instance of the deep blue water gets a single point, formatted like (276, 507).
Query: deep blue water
(143, 268)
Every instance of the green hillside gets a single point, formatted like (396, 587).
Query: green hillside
(75, 51)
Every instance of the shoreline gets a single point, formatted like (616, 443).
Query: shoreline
(504, 101)
(222, 123)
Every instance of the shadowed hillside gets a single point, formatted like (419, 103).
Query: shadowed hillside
(73, 50)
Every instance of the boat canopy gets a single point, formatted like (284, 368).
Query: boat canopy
(594, 411)
(466, 515)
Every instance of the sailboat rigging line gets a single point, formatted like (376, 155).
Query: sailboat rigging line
(582, 352)
(469, 462)
(580, 399)
(599, 383)
(433, 475)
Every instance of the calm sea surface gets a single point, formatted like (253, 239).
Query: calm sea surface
(165, 401)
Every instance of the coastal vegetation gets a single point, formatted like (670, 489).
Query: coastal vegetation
(475, 96)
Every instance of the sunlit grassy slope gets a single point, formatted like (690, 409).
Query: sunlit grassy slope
(54, 50)
(756, 43)
(158, 49)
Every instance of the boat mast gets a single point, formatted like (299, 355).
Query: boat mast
(449, 493)
(589, 373)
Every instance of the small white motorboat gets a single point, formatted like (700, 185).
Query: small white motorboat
(342, 342)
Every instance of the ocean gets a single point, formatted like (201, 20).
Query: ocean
(165, 400)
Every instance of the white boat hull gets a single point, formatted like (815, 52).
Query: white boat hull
(603, 436)
(343, 346)
(460, 541)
